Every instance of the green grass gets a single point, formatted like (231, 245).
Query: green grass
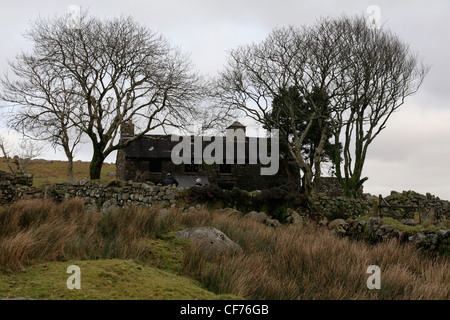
(166, 254)
(102, 280)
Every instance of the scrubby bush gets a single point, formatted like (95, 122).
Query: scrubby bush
(241, 200)
(206, 194)
(273, 201)
(276, 200)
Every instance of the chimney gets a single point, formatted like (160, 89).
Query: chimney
(127, 129)
(237, 125)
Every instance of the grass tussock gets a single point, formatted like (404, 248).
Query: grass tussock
(288, 262)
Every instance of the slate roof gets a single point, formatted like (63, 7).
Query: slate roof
(150, 147)
(236, 124)
(159, 146)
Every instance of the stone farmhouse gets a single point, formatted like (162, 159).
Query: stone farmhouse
(149, 159)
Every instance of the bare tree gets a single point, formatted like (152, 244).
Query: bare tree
(6, 152)
(380, 72)
(289, 59)
(43, 104)
(20, 157)
(363, 75)
(116, 70)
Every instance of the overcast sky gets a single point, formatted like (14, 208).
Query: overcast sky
(412, 153)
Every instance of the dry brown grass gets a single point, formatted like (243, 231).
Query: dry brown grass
(289, 262)
(40, 230)
(303, 262)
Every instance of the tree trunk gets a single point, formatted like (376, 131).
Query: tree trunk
(69, 156)
(287, 171)
(317, 160)
(95, 168)
(70, 168)
(19, 166)
(308, 183)
(352, 184)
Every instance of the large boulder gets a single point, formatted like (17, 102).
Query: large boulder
(210, 240)
(339, 226)
(293, 216)
(272, 223)
(261, 216)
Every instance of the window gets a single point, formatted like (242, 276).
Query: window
(155, 165)
(191, 168)
(225, 168)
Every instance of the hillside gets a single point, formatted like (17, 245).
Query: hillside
(53, 171)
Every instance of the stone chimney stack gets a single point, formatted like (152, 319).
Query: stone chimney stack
(122, 165)
(127, 129)
(237, 125)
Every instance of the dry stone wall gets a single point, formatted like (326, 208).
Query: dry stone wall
(330, 186)
(376, 230)
(118, 194)
(343, 207)
(13, 187)
(7, 192)
(429, 206)
(16, 179)
(103, 196)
